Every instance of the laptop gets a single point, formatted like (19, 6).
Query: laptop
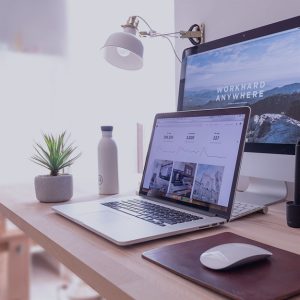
(188, 182)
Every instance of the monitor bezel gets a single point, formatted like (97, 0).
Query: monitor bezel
(288, 149)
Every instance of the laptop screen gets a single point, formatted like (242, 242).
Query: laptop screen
(194, 157)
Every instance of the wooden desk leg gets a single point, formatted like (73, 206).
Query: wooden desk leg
(3, 277)
(18, 269)
(2, 224)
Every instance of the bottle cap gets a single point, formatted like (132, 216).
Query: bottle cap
(107, 128)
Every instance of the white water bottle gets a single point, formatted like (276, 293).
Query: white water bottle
(108, 178)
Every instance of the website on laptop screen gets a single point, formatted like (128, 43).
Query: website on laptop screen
(193, 159)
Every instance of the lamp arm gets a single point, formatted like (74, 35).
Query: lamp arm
(195, 33)
(153, 33)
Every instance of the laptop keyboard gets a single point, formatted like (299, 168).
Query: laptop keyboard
(153, 213)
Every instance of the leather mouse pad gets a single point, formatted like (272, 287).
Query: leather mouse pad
(277, 277)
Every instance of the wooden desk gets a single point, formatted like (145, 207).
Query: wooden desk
(121, 273)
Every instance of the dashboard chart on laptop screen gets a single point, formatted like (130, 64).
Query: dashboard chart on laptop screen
(263, 73)
(190, 159)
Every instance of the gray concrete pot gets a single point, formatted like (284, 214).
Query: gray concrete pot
(53, 188)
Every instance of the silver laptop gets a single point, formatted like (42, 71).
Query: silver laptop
(188, 182)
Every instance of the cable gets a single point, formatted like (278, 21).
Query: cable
(153, 33)
(151, 30)
(173, 48)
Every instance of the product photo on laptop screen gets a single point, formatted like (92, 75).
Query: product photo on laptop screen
(188, 182)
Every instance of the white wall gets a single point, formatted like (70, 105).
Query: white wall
(80, 91)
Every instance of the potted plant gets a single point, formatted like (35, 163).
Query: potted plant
(56, 155)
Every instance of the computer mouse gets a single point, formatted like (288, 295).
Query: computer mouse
(227, 256)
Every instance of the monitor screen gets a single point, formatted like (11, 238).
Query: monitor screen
(259, 68)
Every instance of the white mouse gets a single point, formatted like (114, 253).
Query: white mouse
(231, 255)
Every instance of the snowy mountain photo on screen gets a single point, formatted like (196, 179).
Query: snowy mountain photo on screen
(263, 73)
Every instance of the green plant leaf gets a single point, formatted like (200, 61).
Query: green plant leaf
(44, 154)
(56, 154)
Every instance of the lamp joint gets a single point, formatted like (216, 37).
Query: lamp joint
(132, 22)
(195, 32)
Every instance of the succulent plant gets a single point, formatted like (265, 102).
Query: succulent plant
(56, 154)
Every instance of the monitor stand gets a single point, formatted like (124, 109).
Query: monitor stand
(261, 191)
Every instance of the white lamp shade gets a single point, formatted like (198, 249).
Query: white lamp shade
(124, 50)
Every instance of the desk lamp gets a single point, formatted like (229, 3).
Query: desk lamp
(124, 50)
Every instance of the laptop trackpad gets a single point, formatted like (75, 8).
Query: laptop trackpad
(119, 227)
(103, 218)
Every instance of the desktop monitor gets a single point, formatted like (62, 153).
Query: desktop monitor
(259, 68)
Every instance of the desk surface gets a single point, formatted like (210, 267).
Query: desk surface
(120, 272)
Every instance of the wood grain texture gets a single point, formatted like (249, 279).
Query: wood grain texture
(120, 272)
(14, 265)
(3, 275)
(2, 224)
(18, 269)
